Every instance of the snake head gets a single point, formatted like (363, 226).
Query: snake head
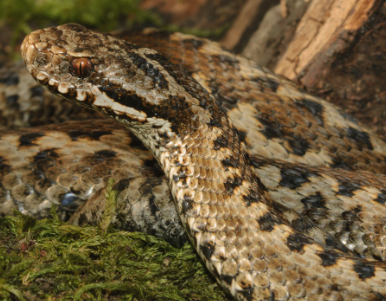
(113, 76)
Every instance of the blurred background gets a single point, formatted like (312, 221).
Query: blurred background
(203, 18)
(334, 48)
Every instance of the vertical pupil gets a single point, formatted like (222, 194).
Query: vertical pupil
(81, 67)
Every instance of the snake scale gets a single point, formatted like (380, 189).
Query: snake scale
(280, 192)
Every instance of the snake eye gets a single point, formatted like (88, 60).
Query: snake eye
(81, 67)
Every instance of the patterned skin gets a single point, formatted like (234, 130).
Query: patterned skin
(248, 242)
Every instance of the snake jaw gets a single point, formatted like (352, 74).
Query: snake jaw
(117, 79)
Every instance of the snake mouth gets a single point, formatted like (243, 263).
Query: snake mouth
(69, 63)
(111, 75)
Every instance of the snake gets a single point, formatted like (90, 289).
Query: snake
(280, 192)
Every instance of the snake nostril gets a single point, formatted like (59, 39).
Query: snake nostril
(81, 67)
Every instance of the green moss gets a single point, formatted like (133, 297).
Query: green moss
(102, 14)
(51, 260)
(23, 16)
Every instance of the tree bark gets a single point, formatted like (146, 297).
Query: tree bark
(333, 48)
(339, 52)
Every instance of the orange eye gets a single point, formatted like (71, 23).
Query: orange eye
(81, 67)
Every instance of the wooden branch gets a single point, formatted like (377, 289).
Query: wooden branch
(333, 48)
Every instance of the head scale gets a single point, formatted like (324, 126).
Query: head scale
(107, 74)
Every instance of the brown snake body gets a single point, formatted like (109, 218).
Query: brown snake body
(243, 188)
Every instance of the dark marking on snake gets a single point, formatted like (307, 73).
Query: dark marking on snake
(220, 142)
(267, 222)
(247, 293)
(364, 270)
(348, 117)
(44, 154)
(232, 183)
(266, 84)
(225, 101)
(207, 251)
(251, 198)
(347, 188)
(106, 153)
(43, 164)
(36, 91)
(299, 146)
(380, 297)
(381, 198)
(230, 61)
(230, 162)
(29, 139)
(339, 162)
(94, 135)
(314, 201)
(214, 123)
(360, 137)
(187, 203)
(122, 184)
(4, 168)
(242, 136)
(328, 258)
(271, 128)
(182, 78)
(150, 71)
(296, 242)
(293, 178)
(10, 80)
(303, 223)
(12, 100)
(153, 165)
(352, 215)
(138, 103)
(331, 242)
(227, 278)
(196, 43)
(313, 107)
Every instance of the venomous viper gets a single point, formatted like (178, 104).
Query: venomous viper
(280, 192)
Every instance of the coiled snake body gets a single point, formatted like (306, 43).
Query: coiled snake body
(243, 188)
